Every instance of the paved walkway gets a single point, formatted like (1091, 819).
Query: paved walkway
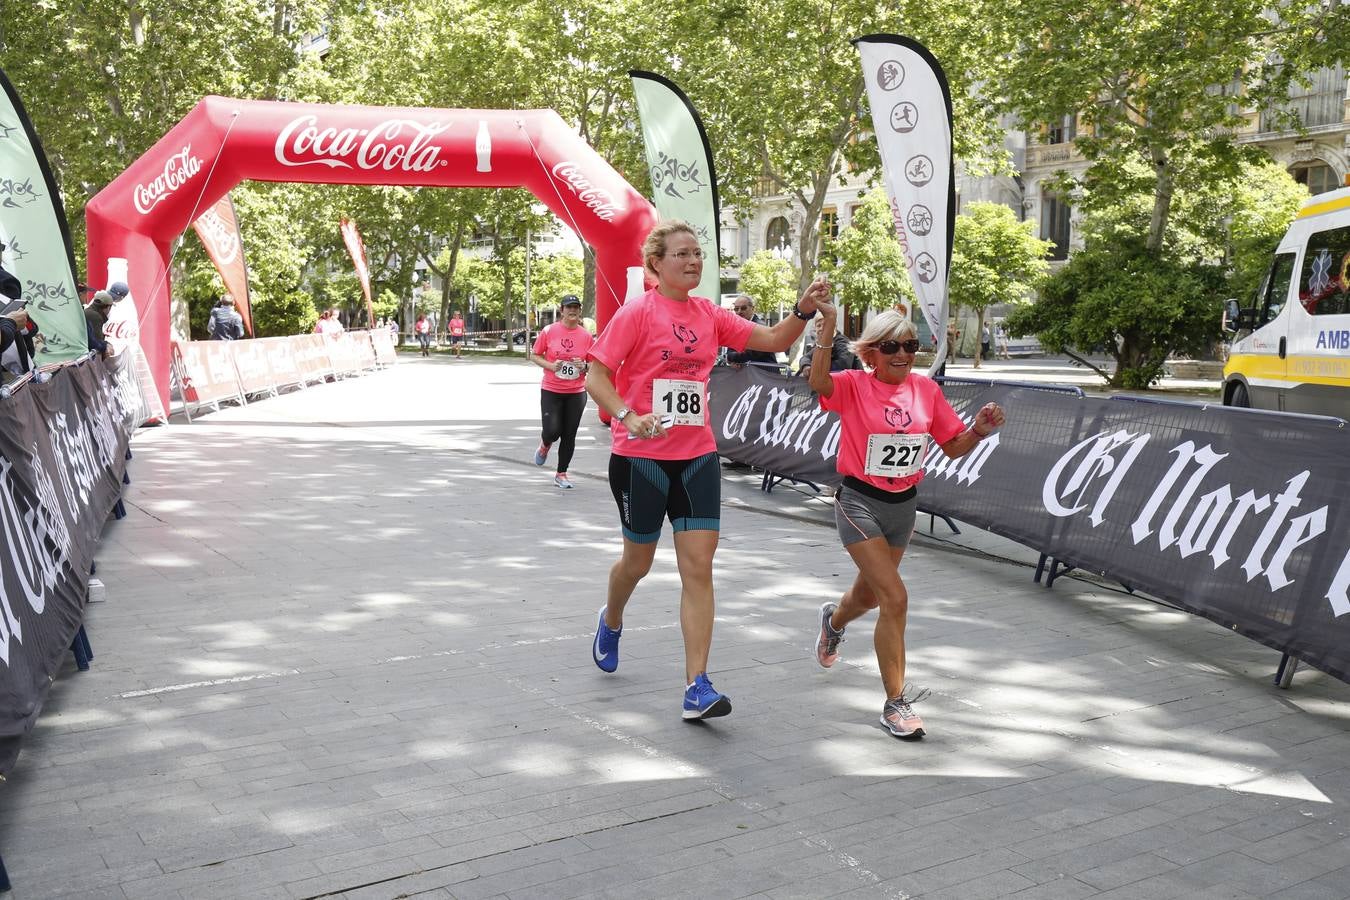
(345, 653)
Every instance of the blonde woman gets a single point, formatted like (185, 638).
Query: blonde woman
(887, 414)
(649, 370)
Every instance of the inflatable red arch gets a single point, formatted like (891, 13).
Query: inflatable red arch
(223, 142)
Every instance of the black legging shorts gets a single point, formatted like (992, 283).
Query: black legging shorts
(562, 416)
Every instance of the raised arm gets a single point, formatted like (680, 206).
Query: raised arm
(821, 382)
(781, 336)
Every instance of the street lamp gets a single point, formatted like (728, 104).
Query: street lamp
(784, 252)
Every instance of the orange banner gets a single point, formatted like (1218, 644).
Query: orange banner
(219, 231)
(352, 238)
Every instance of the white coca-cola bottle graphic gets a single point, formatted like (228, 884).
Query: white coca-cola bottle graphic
(483, 146)
(636, 286)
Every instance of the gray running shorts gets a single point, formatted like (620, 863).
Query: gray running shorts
(860, 517)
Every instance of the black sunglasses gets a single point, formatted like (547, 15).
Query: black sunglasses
(910, 346)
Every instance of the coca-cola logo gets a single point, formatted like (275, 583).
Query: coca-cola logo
(223, 240)
(177, 170)
(600, 201)
(401, 144)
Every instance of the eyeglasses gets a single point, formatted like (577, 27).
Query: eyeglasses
(686, 255)
(910, 346)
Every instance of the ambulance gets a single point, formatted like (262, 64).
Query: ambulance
(1290, 351)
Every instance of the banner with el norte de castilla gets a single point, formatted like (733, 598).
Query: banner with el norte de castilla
(33, 229)
(912, 117)
(218, 229)
(684, 184)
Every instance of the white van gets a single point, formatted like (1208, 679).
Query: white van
(1291, 350)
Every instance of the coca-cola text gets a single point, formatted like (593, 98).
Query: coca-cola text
(177, 170)
(392, 144)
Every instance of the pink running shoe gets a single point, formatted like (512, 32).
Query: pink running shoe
(899, 717)
(828, 641)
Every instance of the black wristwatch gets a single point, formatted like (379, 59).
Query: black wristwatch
(797, 311)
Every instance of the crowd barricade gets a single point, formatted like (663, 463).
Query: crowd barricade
(311, 356)
(362, 350)
(208, 373)
(382, 339)
(205, 374)
(282, 363)
(250, 361)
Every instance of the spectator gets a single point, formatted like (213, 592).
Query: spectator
(225, 323)
(1001, 341)
(744, 307)
(953, 339)
(328, 325)
(842, 357)
(16, 342)
(95, 318)
(985, 339)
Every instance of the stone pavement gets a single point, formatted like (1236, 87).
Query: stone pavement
(345, 653)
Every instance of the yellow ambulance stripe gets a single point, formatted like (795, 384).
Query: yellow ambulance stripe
(1267, 367)
(1318, 209)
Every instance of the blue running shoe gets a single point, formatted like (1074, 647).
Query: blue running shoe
(541, 455)
(701, 700)
(605, 650)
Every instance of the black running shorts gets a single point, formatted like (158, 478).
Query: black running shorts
(687, 491)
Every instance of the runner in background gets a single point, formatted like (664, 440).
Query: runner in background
(649, 371)
(560, 350)
(886, 415)
(423, 330)
(456, 329)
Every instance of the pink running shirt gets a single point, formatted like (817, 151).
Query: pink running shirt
(654, 337)
(867, 405)
(456, 325)
(556, 342)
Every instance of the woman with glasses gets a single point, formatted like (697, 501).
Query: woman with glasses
(887, 414)
(649, 370)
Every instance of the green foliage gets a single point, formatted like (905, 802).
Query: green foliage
(1124, 299)
(1159, 89)
(866, 262)
(995, 258)
(1265, 204)
(769, 281)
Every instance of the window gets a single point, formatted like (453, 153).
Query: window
(1055, 224)
(1062, 130)
(829, 223)
(1318, 176)
(777, 235)
(1276, 288)
(1324, 283)
(1320, 102)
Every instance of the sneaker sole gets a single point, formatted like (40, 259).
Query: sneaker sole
(820, 662)
(912, 736)
(721, 708)
(595, 646)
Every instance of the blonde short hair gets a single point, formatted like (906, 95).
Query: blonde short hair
(889, 326)
(655, 244)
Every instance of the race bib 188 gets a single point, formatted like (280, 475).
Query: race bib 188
(682, 400)
(895, 455)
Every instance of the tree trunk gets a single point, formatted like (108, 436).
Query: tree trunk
(1163, 188)
(449, 274)
(588, 280)
(979, 337)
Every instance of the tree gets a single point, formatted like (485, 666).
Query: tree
(1162, 84)
(1125, 299)
(866, 262)
(768, 280)
(781, 91)
(995, 260)
(1219, 239)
